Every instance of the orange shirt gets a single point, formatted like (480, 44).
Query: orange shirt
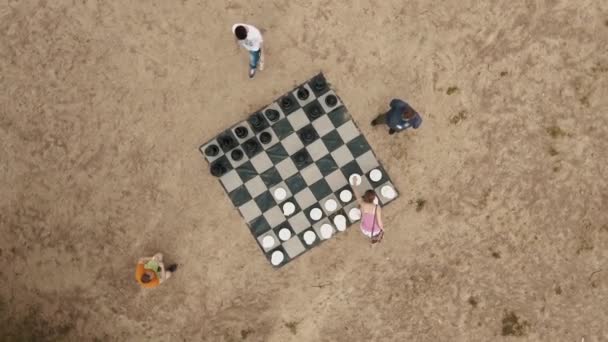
(139, 271)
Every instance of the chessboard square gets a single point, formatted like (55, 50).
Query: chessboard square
(314, 110)
(348, 208)
(317, 150)
(231, 180)
(265, 201)
(333, 198)
(288, 104)
(301, 159)
(267, 111)
(308, 135)
(239, 196)
(202, 149)
(346, 187)
(277, 153)
(261, 162)
(250, 210)
(317, 227)
(348, 131)
(311, 174)
(292, 143)
(282, 128)
(257, 121)
(293, 201)
(342, 156)
(327, 165)
(336, 180)
(305, 198)
(383, 175)
(237, 152)
(271, 177)
(384, 200)
(367, 161)
(274, 237)
(246, 171)
(304, 90)
(252, 147)
(274, 216)
(298, 119)
(283, 225)
(314, 243)
(246, 126)
(222, 164)
(319, 85)
(293, 247)
(332, 140)
(352, 168)
(259, 226)
(323, 125)
(328, 107)
(320, 189)
(363, 187)
(227, 141)
(299, 222)
(255, 186)
(286, 168)
(296, 183)
(339, 116)
(273, 138)
(358, 146)
(283, 186)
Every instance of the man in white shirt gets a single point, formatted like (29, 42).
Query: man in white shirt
(250, 38)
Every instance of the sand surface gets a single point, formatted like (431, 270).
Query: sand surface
(500, 233)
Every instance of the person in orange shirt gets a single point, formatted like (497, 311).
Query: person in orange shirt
(150, 272)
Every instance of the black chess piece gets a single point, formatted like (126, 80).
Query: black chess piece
(331, 100)
(226, 142)
(250, 146)
(218, 169)
(286, 102)
(315, 111)
(256, 121)
(265, 137)
(241, 132)
(236, 155)
(307, 135)
(212, 151)
(319, 83)
(300, 157)
(272, 114)
(303, 93)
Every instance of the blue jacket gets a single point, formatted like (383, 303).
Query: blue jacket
(395, 120)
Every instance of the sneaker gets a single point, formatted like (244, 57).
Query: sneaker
(251, 73)
(391, 131)
(172, 268)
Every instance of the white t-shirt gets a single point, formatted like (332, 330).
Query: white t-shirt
(254, 39)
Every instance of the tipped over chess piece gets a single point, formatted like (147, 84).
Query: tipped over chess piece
(241, 132)
(272, 114)
(212, 151)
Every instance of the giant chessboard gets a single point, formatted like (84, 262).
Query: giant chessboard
(306, 143)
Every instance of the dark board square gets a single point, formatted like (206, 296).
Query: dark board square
(258, 122)
(313, 110)
(271, 177)
(358, 146)
(295, 183)
(227, 141)
(332, 140)
(252, 147)
(259, 226)
(246, 171)
(319, 85)
(220, 166)
(320, 189)
(288, 103)
(327, 165)
(265, 201)
(382, 180)
(350, 168)
(282, 128)
(301, 159)
(240, 196)
(308, 134)
(277, 153)
(339, 116)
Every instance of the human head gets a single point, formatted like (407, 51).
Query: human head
(240, 32)
(146, 278)
(409, 113)
(369, 196)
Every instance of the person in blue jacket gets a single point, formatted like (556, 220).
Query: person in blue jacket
(399, 118)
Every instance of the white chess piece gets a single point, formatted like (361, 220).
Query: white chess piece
(267, 241)
(354, 179)
(375, 175)
(340, 222)
(284, 234)
(316, 214)
(277, 258)
(331, 205)
(388, 192)
(354, 214)
(326, 231)
(310, 237)
(346, 196)
(280, 194)
(288, 208)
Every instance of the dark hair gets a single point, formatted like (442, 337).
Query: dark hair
(240, 32)
(368, 196)
(409, 113)
(145, 278)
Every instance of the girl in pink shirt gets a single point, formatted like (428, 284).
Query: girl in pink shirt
(371, 215)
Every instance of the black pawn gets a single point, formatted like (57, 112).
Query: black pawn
(331, 100)
(315, 112)
(319, 83)
(241, 132)
(286, 102)
(300, 158)
(303, 93)
(265, 138)
(226, 142)
(236, 155)
(251, 147)
(256, 121)
(212, 151)
(272, 114)
(308, 136)
(218, 169)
